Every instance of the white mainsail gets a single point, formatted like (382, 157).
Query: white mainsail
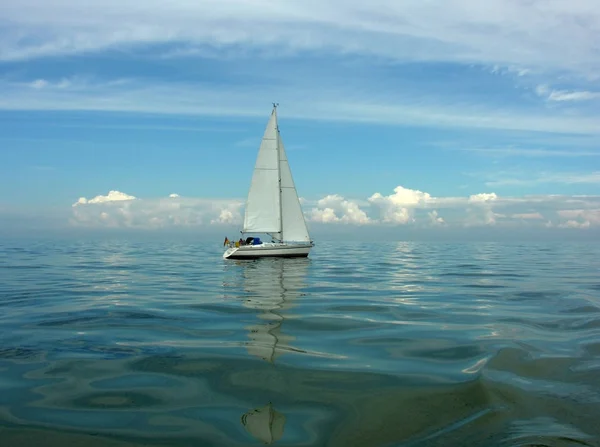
(273, 206)
(263, 209)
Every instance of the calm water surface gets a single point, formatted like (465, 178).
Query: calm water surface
(117, 343)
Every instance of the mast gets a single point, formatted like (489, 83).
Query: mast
(279, 174)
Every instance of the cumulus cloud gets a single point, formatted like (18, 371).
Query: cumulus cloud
(436, 220)
(575, 224)
(334, 208)
(396, 207)
(483, 197)
(402, 207)
(120, 210)
(580, 218)
(112, 196)
(416, 208)
(226, 216)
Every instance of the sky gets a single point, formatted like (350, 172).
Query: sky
(442, 116)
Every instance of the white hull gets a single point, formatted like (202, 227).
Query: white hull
(268, 250)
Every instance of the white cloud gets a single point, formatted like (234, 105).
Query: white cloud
(483, 197)
(565, 95)
(561, 35)
(325, 215)
(435, 218)
(334, 208)
(585, 217)
(174, 196)
(527, 216)
(404, 207)
(120, 210)
(73, 83)
(542, 90)
(112, 196)
(402, 196)
(574, 224)
(532, 152)
(499, 34)
(482, 213)
(395, 208)
(304, 98)
(511, 70)
(532, 178)
(39, 83)
(227, 216)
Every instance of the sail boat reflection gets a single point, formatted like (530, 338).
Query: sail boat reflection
(271, 285)
(265, 424)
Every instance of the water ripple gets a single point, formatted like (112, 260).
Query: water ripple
(130, 343)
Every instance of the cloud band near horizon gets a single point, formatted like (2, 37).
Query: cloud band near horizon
(403, 207)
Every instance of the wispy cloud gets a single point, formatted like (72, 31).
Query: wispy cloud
(39, 83)
(72, 83)
(298, 54)
(301, 98)
(565, 95)
(530, 152)
(511, 70)
(500, 33)
(532, 178)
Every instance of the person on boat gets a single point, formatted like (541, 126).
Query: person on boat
(241, 242)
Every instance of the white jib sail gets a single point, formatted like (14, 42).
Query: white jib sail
(293, 224)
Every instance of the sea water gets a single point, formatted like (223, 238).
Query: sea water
(114, 342)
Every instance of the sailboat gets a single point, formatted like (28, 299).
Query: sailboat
(272, 207)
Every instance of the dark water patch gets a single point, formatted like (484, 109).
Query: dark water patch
(483, 274)
(103, 318)
(583, 310)
(592, 348)
(485, 286)
(23, 267)
(230, 309)
(535, 295)
(469, 266)
(133, 381)
(21, 354)
(360, 309)
(122, 400)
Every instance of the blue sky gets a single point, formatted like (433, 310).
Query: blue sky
(425, 114)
